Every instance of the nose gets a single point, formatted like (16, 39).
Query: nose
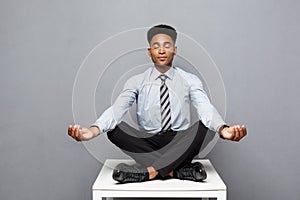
(161, 50)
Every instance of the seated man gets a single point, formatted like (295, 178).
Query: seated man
(166, 143)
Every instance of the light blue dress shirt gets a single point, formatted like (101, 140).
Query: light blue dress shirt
(184, 89)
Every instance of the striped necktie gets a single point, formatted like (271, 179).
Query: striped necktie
(165, 104)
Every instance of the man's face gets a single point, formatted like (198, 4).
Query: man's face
(162, 50)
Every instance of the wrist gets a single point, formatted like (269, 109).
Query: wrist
(221, 130)
(95, 130)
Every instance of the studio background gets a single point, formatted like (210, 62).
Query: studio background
(255, 45)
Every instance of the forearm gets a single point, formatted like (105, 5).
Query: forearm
(207, 113)
(115, 113)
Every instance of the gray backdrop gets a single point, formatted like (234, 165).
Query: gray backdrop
(42, 44)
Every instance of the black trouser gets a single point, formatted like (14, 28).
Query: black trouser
(163, 151)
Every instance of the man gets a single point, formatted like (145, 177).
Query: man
(166, 144)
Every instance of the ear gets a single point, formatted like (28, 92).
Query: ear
(175, 50)
(149, 51)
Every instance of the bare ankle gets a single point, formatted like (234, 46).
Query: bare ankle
(152, 172)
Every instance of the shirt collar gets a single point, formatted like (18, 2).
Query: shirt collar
(169, 73)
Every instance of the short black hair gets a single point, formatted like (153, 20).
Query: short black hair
(162, 29)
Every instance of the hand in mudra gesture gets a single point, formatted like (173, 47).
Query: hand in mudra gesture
(234, 133)
(81, 133)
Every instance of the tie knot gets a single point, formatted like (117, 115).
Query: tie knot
(163, 78)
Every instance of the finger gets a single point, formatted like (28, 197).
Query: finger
(77, 138)
(70, 130)
(241, 135)
(236, 133)
(73, 131)
(232, 133)
(76, 131)
(244, 131)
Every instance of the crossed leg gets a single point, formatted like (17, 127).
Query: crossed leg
(160, 153)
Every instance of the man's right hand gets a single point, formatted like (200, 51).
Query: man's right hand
(81, 133)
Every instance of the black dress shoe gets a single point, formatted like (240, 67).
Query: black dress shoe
(193, 171)
(124, 173)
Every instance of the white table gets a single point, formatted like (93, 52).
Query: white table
(106, 187)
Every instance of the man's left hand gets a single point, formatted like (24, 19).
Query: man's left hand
(234, 133)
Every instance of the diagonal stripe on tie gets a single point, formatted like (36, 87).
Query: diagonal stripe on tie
(167, 125)
(165, 100)
(166, 116)
(164, 91)
(165, 108)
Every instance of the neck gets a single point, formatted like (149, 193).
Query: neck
(162, 68)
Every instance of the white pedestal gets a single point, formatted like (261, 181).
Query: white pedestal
(106, 187)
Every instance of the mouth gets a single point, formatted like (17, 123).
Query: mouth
(162, 58)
